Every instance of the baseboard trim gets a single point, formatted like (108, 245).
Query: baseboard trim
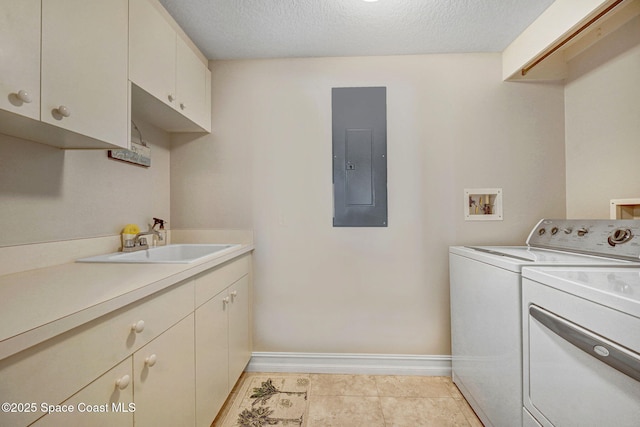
(350, 363)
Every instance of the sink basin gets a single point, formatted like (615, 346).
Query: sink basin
(170, 254)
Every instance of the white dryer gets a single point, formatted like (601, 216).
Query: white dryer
(581, 346)
(486, 304)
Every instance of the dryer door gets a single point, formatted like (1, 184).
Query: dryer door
(577, 377)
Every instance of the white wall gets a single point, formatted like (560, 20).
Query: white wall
(602, 103)
(452, 124)
(47, 194)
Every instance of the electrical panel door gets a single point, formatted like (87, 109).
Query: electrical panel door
(359, 156)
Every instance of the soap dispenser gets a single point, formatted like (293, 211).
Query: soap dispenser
(160, 239)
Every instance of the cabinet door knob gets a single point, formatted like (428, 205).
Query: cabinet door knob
(233, 294)
(170, 97)
(182, 106)
(151, 360)
(138, 326)
(63, 111)
(123, 382)
(24, 96)
(225, 300)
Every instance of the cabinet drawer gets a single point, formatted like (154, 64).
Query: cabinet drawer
(101, 403)
(68, 362)
(212, 282)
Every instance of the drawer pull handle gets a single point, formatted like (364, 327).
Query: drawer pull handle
(613, 354)
(123, 382)
(138, 326)
(151, 360)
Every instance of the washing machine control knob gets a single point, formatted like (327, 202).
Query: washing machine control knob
(582, 231)
(619, 236)
(567, 230)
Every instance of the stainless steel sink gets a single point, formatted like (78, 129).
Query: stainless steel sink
(170, 254)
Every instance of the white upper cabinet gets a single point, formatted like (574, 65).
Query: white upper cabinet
(152, 58)
(20, 57)
(66, 67)
(84, 67)
(164, 67)
(190, 83)
(63, 72)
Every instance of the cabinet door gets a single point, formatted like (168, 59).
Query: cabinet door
(239, 329)
(163, 378)
(212, 379)
(190, 83)
(106, 402)
(152, 51)
(75, 358)
(206, 120)
(20, 57)
(84, 67)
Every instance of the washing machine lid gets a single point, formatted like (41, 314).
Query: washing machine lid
(514, 258)
(547, 256)
(614, 287)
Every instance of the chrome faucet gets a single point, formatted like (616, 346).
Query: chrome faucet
(139, 243)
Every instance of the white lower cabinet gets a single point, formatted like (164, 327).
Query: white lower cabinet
(160, 375)
(169, 359)
(223, 339)
(163, 378)
(239, 333)
(53, 371)
(212, 358)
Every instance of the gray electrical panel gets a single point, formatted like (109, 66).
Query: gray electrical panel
(359, 156)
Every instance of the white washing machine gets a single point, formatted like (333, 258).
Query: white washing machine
(581, 346)
(486, 304)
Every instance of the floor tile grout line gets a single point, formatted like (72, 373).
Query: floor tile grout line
(384, 419)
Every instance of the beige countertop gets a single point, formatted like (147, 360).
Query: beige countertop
(42, 303)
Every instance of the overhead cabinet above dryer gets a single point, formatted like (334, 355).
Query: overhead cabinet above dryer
(566, 29)
(171, 81)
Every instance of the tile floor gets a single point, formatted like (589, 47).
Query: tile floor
(380, 401)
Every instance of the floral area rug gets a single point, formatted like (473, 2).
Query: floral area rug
(270, 400)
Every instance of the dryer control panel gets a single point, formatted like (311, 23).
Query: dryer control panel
(600, 237)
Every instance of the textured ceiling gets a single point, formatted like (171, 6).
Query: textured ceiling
(234, 29)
